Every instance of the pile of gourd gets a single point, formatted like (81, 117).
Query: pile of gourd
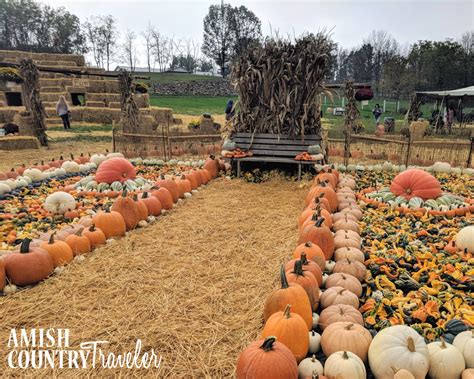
(334, 226)
(76, 224)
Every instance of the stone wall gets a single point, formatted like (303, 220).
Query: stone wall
(221, 87)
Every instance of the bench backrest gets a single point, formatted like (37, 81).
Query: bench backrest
(272, 145)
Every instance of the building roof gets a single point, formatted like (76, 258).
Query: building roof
(460, 92)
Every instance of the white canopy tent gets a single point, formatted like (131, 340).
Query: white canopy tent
(461, 92)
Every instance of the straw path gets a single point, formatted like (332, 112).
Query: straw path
(191, 286)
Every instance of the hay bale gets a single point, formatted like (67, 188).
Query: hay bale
(104, 97)
(18, 143)
(8, 113)
(142, 100)
(95, 104)
(418, 129)
(114, 104)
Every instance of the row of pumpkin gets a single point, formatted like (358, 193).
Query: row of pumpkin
(290, 330)
(34, 260)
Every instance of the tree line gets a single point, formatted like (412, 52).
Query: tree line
(380, 60)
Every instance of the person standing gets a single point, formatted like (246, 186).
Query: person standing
(229, 110)
(377, 112)
(63, 111)
(450, 118)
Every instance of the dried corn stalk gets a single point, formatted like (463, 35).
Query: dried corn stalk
(129, 109)
(350, 119)
(279, 84)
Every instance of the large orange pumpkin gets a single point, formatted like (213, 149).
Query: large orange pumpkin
(29, 265)
(306, 280)
(313, 252)
(60, 251)
(289, 293)
(115, 169)
(212, 166)
(78, 243)
(164, 196)
(111, 223)
(153, 203)
(128, 209)
(320, 235)
(170, 185)
(416, 183)
(328, 192)
(95, 235)
(142, 208)
(267, 358)
(310, 266)
(289, 328)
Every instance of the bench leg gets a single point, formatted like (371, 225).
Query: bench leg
(238, 168)
(299, 171)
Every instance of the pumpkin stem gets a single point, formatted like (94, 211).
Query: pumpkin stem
(298, 269)
(92, 228)
(135, 197)
(394, 369)
(319, 222)
(345, 355)
(411, 344)
(267, 345)
(349, 326)
(124, 193)
(308, 244)
(284, 282)
(341, 291)
(287, 310)
(341, 312)
(443, 343)
(313, 358)
(51, 238)
(303, 258)
(145, 195)
(25, 246)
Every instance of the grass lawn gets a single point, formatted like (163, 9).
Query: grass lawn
(192, 105)
(170, 77)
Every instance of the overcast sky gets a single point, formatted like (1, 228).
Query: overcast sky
(350, 20)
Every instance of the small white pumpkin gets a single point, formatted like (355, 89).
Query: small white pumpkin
(98, 158)
(446, 361)
(464, 342)
(60, 172)
(465, 239)
(344, 364)
(34, 174)
(329, 266)
(398, 346)
(442, 167)
(70, 166)
(59, 203)
(26, 178)
(115, 155)
(309, 366)
(314, 342)
(325, 276)
(4, 188)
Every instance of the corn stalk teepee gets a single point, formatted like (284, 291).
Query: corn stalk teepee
(31, 96)
(129, 118)
(350, 119)
(279, 83)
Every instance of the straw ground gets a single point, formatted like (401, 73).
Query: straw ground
(191, 286)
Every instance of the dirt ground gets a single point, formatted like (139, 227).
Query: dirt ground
(191, 286)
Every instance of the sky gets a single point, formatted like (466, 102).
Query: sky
(350, 20)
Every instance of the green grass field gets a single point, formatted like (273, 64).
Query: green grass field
(192, 105)
(170, 77)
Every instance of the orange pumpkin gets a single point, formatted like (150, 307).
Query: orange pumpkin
(142, 209)
(212, 166)
(29, 265)
(306, 280)
(111, 223)
(267, 358)
(128, 209)
(290, 329)
(289, 293)
(78, 243)
(95, 235)
(60, 251)
(415, 182)
(115, 169)
(313, 252)
(192, 179)
(170, 185)
(320, 235)
(310, 266)
(184, 185)
(340, 312)
(164, 196)
(328, 192)
(153, 204)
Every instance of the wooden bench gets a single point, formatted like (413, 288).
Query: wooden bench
(272, 148)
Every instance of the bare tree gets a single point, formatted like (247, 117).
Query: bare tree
(109, 34)
(161, 49)
(188, 53)
(148, 37)
(95, 42)
(467, 42)
(129, 53)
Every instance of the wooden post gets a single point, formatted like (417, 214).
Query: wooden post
(407, 160)
(384, 106)
(113, 136)
(471, 149)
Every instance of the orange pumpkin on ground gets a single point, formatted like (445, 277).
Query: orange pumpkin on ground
(115, 169)
(111, 223)
(142, 208)
(184, 185)
(340, 312)
(128, 209)
(29, 265)
(290, 329)
(78, 243)
(415, 182)
(320, 235)
(289, 293)
(310, 266)
(267, 358)
(313, 252)
(153, 204)
(306, 280)
(95, 235)
(60, 251)
(212, 166)
(164, 196)
(170, 185)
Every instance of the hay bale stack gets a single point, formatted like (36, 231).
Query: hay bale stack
(418, 129)
(142, 100)
(279, 84)
(18, 143)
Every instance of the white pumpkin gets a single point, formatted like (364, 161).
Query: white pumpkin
(446, 361)
(309, 366)
(398, 346)
(20, 182)
(70, 166)
(315, 320)
(314, 342)
(34, 174)
(442, 167)
(468, 171)
(387, 166)
(60, 172)
(26, 179)
(344, 364)
(464, 342)
(465, 239)
(59, 203)
(98, 158)
(329, 266)
(456, 170)
(115, 155)
(4, 188)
